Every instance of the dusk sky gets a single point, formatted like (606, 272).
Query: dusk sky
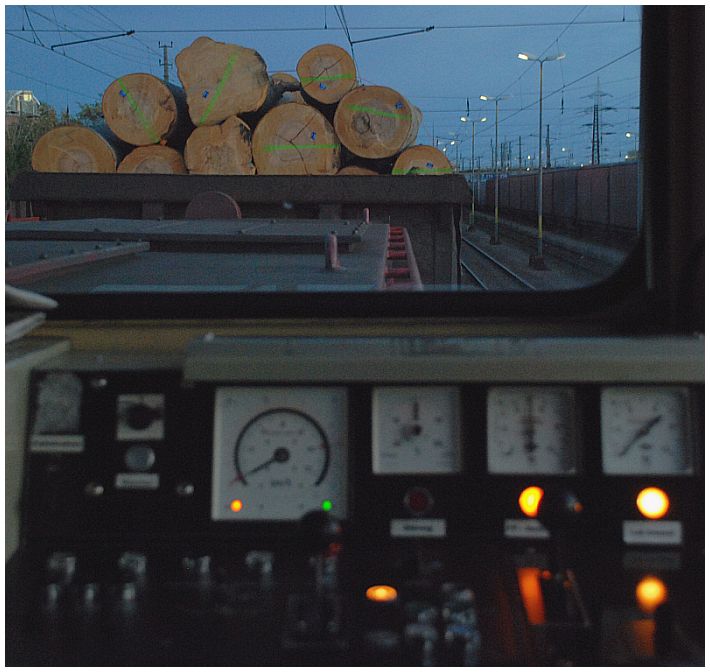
(471, 51)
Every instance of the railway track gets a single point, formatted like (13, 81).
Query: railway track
(492, 273)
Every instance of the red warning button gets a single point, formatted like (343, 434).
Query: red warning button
(418, 500)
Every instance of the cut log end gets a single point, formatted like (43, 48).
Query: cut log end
(422, 160)
(221, 80)
(376, 122)
(327, 73)
(155, 159)
(221, 150)
(140, 109)
(74, 149)
(295, 139)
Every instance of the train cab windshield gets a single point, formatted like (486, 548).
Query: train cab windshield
(482, 149)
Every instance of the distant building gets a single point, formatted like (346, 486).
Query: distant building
(20, 104)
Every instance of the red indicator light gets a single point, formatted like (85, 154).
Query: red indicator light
(418, 500)
(236, 505)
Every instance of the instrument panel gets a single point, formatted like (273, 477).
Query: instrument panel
(212, 483)
(284, 449)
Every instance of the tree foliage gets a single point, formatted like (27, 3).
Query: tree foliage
(20, 138)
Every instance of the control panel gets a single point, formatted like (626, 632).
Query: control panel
(337, 515)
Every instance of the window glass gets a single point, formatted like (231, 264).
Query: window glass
(226, 149)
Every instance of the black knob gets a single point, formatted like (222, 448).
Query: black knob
(560, 509)
(140, 416)
(320, 531)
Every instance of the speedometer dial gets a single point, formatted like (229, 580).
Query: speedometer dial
(285, 444)
(279, 453)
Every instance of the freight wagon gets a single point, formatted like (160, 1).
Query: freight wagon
(592, 203)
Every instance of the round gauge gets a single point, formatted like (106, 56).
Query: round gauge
(531, 430)
(645, 430)
(415, 430)
(282, 446)
(279, 453)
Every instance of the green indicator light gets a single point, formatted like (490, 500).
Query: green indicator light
(327, 505)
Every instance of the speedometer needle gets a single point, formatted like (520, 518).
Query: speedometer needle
(280, 455)
(641, 433)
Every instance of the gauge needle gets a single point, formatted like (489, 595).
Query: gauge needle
(280, 455)
(643, 431)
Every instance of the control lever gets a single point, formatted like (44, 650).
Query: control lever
(316, 619)
(560, 512)
(566, 627)
(321, 535)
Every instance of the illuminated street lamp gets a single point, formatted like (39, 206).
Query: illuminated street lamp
(473, 145)
(495, 240)
(537, 261)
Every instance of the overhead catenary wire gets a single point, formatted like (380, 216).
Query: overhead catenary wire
(40, 81)
(71, 58)
(296, 29)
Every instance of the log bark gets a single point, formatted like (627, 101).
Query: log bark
(376, 122)
(327, 73)
(224, 149)
(422, 160)
(144, 110)
(155, 159)
(357, 170)
(78, 149)
(294, 139)
(291, 88)
(221, 80)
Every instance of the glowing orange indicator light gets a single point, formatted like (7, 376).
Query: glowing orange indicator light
(653, 503)
(651, 592)
(530, 499)
(237, 505)
(381, 594)
(531, 593)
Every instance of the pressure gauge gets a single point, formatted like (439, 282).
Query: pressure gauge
(279, 453)
(646, 430)
(531, 430)
(416, 430)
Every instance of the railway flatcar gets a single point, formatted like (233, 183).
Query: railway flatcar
(291, 436)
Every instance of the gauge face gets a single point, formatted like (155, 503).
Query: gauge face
(279, 453)
(531, 430)
(416, 430)
(646, 430)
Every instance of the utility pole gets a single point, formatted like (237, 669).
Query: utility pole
(165, 63)
(520, 152)
(547, 146)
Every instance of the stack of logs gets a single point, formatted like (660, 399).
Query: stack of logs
(321, 123)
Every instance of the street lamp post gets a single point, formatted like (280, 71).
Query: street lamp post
(537, 260)
(473, 184)
(639, 183)
(495, 240)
